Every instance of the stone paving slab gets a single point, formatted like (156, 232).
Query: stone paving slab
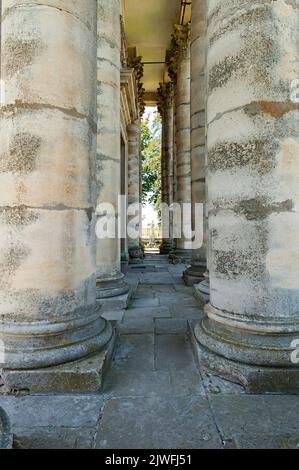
(156, 278)
(149, 312)
(158, 423)
(54, 438)
(139, 325)
(257, 421)
(177, 298)
(174, 352)
(53, 410)
(142, 383)
(135, 352)
(170, 326)
(188, 312)
(145, 302)
(156, 289)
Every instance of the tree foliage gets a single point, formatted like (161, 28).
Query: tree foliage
(151, 131)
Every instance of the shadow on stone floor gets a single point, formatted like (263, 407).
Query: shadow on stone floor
(154, 395)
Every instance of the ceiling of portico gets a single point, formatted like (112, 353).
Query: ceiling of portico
(149, 26)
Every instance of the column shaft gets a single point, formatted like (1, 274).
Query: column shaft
(195, 274)
(253, 149)
(166, 111)
(134, 196)
(183, 157)
(47, 239)
(110, 282)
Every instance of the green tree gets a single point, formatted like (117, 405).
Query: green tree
(151, 131)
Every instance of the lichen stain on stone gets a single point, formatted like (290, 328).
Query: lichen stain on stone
(275, 109)
(11, 260)
(246, 17)
(19, 54)
(19, 216)
(21, 155)
(233, 264)
(255, 209)
(260, 154)
(253, 63)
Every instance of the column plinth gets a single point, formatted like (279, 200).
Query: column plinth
(202, 290)
(252, 320)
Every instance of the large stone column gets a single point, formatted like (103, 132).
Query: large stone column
(183, 161)
(166, 111)
(49, 314)
(134, 214)
(110, 279)
(195, 273)
(253, 148)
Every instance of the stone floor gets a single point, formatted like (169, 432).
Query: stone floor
(155, 396)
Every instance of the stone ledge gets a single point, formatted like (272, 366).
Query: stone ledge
(82, 376)
(119, 302)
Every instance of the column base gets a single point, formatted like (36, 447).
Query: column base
(166, 247)
(180, 255)
(202, 291)
(111, 287)
(82, 376)
(6, 437)
(261, 363)
(194, 274)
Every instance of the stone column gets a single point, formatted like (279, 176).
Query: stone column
(110, 279)
(166, 111)
(49, 314)
(253, 124)
(175, 180)
(134, 180)
(195, 273)
(183, 161)
(170, 155)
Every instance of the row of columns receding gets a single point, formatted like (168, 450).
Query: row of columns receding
(234, 131)
(230, 141)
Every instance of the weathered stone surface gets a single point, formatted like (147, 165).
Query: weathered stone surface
(115, 302)
(6, 437)
(194, 274)
(47, 134)
(252, 129)
(135, 352)
(237, 419)
(145, 302)
(158, 423)
(85, 375)
(113, 315)
(136, 324)
(110, 280)
(170, 326)
(177, 298)
(53, 422)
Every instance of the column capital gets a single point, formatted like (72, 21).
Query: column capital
(166, 93)
(136, 64)
(182, 35)
(179, 47)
